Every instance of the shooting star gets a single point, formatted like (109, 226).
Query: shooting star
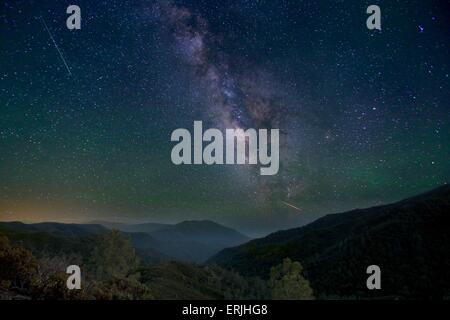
(292, 206)
(56, 45)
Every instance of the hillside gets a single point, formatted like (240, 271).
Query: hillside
(409, 240)
(190, 241)
(66, 229)
(196, 241)
(176, 280)
(51, 238)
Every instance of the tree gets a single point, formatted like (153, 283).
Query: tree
(287, 283)
(54, 287)
(113, 258)
(113, 270)
(18, 267)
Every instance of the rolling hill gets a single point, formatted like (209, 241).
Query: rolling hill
(54, 238)
(409, 240)
(189, 241)
(66, 229)
(196, 241)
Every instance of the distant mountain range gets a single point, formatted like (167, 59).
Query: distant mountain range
(189, 241)
(409, 240)
(141, 227)
(68, 230)
(193, 241)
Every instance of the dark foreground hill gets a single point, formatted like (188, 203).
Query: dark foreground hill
(409, 240)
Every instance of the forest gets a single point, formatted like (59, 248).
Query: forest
(113, 270)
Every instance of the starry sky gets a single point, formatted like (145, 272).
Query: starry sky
(363, 114)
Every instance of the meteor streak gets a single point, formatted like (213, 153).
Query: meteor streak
(292, 206)
(56, 45)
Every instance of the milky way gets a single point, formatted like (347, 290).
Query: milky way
(239, 99)
(234, 99)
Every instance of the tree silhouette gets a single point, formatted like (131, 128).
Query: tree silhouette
(113, 257)
(287, 283)
(18, 267)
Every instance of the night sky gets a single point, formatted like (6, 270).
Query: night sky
(364, 114)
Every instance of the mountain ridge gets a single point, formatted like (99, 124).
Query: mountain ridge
(411, 235)
(189, 241)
